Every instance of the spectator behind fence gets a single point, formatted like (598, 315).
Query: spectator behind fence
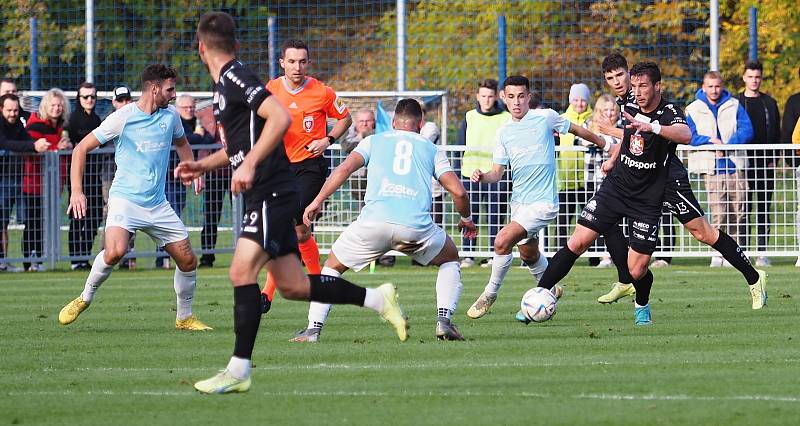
(765, 118)
(477, 133)
(363, 126)
(175, 191)
(606, 112)
(790, 133)
(13, 139)
(8, 85)
(718, 118)
(122, 96)
(571, 183)
(82, 231)
(47, 123)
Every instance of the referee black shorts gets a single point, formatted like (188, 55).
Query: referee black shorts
(270, 224)
(607, 208)
(311, 174)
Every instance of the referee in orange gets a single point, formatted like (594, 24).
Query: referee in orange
(310, 103)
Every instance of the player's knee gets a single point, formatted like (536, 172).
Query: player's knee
(303, 235)
(637, 271)
(113, 254)
(502, 246)
(187, 264)
(294, 292)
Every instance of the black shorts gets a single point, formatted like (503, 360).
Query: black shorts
(311, 174)
(607, 208)
(270, 224)
(679, 200)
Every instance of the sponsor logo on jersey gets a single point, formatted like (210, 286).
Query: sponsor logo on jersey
(253, 93)
(293, 105)
(592, 205)
(636, 144)
(148, 146)
(308, 123)
(221, 102)
(641, 165)
(389, 189)
(163, 126)
(641, 226)
(251, 229)
(236, 159)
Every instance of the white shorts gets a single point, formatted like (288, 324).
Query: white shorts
(160, 222)
(362, 242)
(533, 217)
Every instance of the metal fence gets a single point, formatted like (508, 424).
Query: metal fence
(767, 222)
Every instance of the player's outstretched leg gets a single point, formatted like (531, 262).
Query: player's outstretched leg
(448, 290)
(618, 249)
(733, 253)
(116, 244)
(317, 315)
(185, 283)
(500, 265)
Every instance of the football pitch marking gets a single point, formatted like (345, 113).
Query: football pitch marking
(370, 394)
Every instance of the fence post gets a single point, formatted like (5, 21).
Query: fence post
(272, 42)
(401, 45)
(51, 202)
(501, 48)
(753, 56)
(34, 54)
(90, 41)
(714, 42)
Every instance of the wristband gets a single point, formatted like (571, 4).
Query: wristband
(467, 219)
(656, 127)
(331, 139)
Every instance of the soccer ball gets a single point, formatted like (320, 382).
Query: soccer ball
(538, 304)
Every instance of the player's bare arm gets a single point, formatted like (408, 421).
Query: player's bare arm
(678, 133)
(277, 121)
(77, 200)
(318, 146)
(611, 130)
(453, 185)
(353, 162)
(185, 154)
(613, 153)
(491, 176)
(587, 135)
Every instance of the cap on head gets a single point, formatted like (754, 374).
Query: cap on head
(122, 93)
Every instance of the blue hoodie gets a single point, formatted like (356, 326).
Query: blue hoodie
(743, 134)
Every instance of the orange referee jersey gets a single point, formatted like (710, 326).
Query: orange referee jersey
(310, 105)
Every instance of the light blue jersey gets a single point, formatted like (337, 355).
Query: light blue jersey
(527, 147)
(400, 165)
(142, 142)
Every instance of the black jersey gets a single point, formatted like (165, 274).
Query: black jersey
(640, 171)
(237, 97)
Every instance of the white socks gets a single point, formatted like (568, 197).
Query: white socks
(318, 312)
(500, 265)
(537, 269)
(239, 367)
(374, 300)
(448, 288)
(185, 283)
(99, 273)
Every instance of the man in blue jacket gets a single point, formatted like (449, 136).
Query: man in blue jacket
(717, 118)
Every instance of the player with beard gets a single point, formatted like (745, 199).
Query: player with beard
(633, 189)
(679, 200)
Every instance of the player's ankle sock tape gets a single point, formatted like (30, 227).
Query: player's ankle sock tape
(335, 290)
(246, 319)
(558, 268)
(734, 254)
(643, 286)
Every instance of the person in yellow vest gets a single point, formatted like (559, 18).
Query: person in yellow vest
(477, 132)
(571, 178)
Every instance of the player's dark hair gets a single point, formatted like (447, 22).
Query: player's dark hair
(8, 96)
(86, 85)
(217, 31)
(613, 62)
(8, 80)
(650, 69)
(517, 80)
(292, 44)
(156, 74)
(408, 109)
(753, 65)
(488, 83)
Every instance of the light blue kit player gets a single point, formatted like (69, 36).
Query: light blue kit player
(143, 133)
(397, 214)
(525, 145)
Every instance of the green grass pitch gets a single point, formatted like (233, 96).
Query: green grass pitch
(707, 359)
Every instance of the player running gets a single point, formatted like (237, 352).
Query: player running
(251, 123)
(679, 200)
(143, 133)
(397, 214)
(527, 147)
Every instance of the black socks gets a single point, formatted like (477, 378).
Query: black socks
(246, 319)
(336, 291)
(731, 251)
(558, 268)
